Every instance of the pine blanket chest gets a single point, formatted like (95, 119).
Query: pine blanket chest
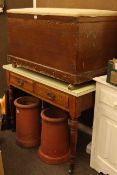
(73, 45)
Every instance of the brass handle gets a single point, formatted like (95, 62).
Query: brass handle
(20, 82)
(51, 96)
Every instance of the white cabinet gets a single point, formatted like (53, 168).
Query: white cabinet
(104, 138)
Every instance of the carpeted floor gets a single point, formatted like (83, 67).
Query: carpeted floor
(20, 161)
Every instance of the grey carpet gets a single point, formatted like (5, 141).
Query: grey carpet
(20, 161)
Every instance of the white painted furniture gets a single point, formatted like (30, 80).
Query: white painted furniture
(104, 139)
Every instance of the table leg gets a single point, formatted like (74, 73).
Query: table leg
(73, 143)
(11, 104)
(74, 112)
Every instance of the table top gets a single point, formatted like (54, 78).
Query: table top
(64, 12)
(51, 82)
(102, 80)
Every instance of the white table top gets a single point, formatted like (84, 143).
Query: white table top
(102, 80)
(51, 82)
(64, 12)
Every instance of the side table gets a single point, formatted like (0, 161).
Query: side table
(56, 93)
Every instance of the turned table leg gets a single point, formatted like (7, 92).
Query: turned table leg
(73, 143)
(74, 111)
(11, 105)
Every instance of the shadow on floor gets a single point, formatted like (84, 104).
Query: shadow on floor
(21, 161)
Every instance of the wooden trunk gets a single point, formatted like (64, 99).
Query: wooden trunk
(68, 44)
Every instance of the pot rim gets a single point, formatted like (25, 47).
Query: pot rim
(35, 102)
(52, 119)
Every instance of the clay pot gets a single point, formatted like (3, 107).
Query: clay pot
(54, 147)
(27, 121)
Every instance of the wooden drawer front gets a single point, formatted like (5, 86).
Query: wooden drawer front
(21, 82)
(51, 95)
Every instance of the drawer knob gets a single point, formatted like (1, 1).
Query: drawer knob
(20, 82)
(51, 96)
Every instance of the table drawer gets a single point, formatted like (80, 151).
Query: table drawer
(51, 95)
(21, 82)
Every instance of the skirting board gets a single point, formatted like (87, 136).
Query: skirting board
(85, 128)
